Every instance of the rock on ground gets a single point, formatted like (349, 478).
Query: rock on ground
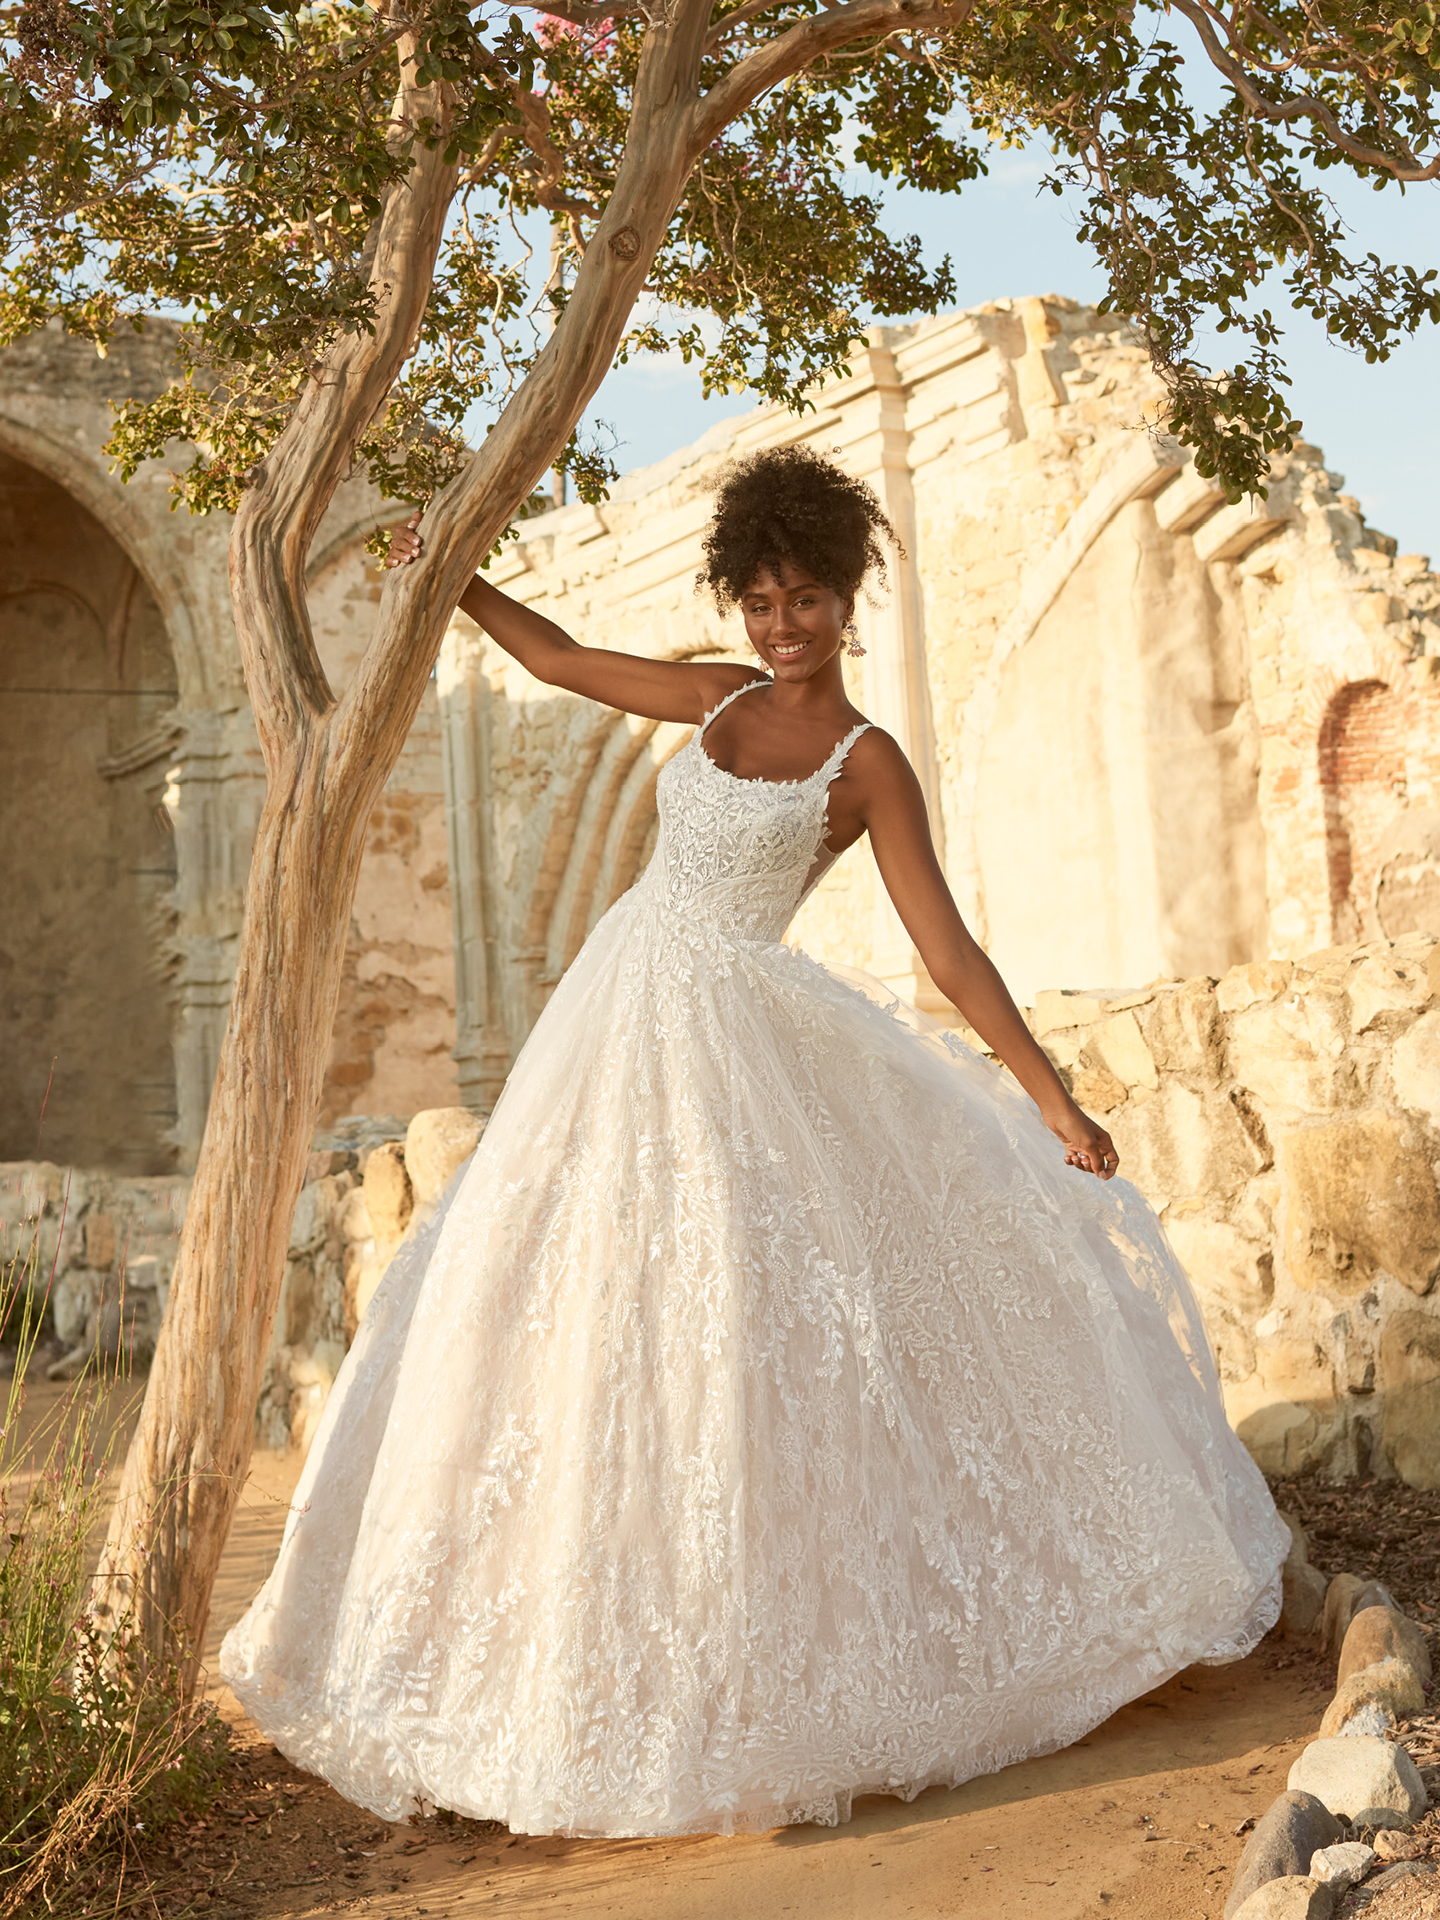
(1340, 1867)
(1340, 1598)
(1383, 1633)
(1303, 1587)
(1359, 1774)
(1289, 1833)
(1374, 1593)
(1402, 1870)
(1392, 1685)
(1370, 1718)
(1296, 1897)
(1393, 1844)
(1303, 1590)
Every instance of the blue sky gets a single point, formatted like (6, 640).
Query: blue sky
(1377, 425)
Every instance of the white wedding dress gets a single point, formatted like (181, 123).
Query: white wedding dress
(766, 1416)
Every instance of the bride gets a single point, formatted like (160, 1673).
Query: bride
(772, 1412)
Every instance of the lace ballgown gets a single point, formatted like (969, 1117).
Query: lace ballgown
(767, 1416)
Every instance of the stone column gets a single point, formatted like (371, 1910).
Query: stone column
(876, 447)
(482, 1048)
(215, 786)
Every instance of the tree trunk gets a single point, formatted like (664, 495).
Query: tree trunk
(326, 764)
(188, 1459)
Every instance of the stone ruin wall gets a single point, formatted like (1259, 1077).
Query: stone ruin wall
(1284, 1122)
(130, 782)
(1159, 734)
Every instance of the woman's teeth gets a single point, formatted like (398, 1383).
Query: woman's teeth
(785, 653)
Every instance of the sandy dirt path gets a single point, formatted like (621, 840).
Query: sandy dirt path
(1137, 1820)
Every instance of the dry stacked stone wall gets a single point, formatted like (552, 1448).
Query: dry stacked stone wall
(1284, 1121)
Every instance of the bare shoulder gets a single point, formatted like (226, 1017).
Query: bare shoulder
(878, 763)
(716, 680)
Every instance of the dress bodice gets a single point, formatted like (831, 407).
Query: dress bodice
(740, 853)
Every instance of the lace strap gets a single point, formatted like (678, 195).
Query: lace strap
(721, 705)
(831, 769)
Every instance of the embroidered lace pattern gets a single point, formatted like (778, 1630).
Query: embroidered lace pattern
(766, 1415)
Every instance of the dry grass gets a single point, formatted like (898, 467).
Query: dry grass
(98, 1749)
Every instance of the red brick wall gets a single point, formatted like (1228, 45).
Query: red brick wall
(1377, 745)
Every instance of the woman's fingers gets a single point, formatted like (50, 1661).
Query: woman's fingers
(1087, 1146)
(1093, 1151)
(405, 543)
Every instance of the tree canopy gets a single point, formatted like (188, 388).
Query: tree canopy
(227, 164)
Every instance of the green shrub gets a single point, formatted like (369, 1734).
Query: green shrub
(99, 1750)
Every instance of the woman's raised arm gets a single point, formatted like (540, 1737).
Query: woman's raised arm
(658, 689)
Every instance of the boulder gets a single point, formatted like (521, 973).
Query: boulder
(1303, 1603)
(1382, 1819)
(1120, 1046)
(1410, 1378)
(388, 1197)
(1291, 1830)
(1342, 1866)
(1388, 980)
(1392, 1685)
(100, 1241)
(1392, 1844)
(1229, 1269)
(1251, 982)
(1381, 1633)
(1299, 1554)
(1373, 1594)
(1296, 1897)
(1303, 1587)
(1402, 1870)
(1340, 1598)
(1360, 1775)
(1371, 1719)
(438, 1141)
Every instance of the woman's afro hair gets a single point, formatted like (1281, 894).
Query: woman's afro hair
(789, 506)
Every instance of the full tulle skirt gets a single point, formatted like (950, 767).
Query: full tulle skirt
(766, 1416)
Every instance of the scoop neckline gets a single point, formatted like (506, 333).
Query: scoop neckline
(761, 779)
(764, 780)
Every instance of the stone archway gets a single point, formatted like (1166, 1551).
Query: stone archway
(87, 725)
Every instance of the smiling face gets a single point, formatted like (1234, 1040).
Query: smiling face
(793, 622)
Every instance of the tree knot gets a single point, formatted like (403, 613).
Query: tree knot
(625, 244)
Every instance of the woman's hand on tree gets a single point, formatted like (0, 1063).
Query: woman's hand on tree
(1087, 1145)
(405, 543)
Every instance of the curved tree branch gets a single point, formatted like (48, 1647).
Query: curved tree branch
(465, 520)
(549, 161)
(1301, 106)
(801, 45)
(290, 491)
(726, 25)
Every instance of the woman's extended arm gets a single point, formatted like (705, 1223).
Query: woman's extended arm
(894, 813)
(658, 689)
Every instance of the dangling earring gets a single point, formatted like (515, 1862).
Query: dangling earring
(850, 633)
